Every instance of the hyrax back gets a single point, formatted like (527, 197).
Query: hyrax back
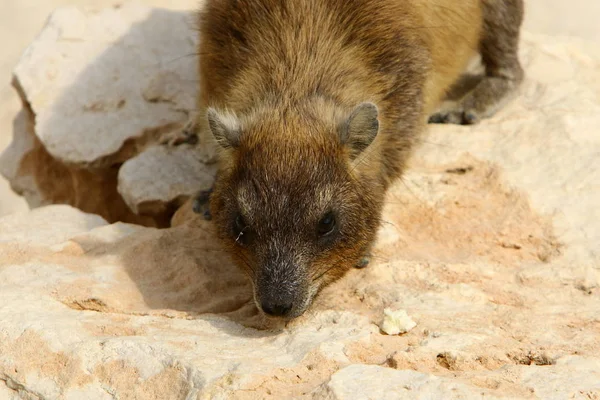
(315, 105)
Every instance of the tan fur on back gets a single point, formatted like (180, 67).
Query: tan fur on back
(316, 105)
(400, 54)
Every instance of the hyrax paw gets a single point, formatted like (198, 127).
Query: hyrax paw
(179, 137)
(457, 117)
(201, 202)
(363, 262)
(187, 135)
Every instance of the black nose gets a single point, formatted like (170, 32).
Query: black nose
(276, 309)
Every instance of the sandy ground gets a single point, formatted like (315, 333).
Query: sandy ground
(21, 20)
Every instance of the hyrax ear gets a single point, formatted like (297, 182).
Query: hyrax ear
(360, 128)
(225, 127)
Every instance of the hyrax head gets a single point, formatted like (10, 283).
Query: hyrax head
(290, 201)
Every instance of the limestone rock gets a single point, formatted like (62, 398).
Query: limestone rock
(44, 180)
(157, 178)
(98, 89)
(46, 226)
(396, 321)
(87, 75)
(12, 160)
(358, 382)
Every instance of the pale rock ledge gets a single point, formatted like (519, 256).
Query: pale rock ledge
(100, 89)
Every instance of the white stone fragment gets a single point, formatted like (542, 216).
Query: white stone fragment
(396, 322)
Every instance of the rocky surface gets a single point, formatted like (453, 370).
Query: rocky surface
(101, 88)
(490, 244)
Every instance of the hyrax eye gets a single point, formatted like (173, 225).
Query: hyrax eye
(240, 223)
(240, 229)
(326, 224)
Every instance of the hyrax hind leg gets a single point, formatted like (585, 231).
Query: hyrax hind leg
(503, 73)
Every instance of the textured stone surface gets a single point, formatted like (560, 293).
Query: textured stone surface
(116, 309)
(87, 75)
(365, 382)
(104, 87)
(154, 180)
(490, 243)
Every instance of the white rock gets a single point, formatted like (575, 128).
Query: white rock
(12, 160)
(103, 89)
(88, 74)
(161, 175)
(571, 377)
(358, 382)
(396, 322)
(46, 226)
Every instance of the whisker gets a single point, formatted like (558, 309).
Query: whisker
(314, 279)
(181, 57)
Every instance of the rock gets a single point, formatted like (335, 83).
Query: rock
(359, 382)
(163, 177)
(102, 88)
(13, 163)
(557, 380)
(375, 382)
(32, 227)
(396, 322)
(87, 77)
(33, 173)
(490, 242)
(92, 308)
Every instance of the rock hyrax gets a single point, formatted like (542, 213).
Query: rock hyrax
(315, 106)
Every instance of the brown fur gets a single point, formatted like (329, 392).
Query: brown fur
(285, 77)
